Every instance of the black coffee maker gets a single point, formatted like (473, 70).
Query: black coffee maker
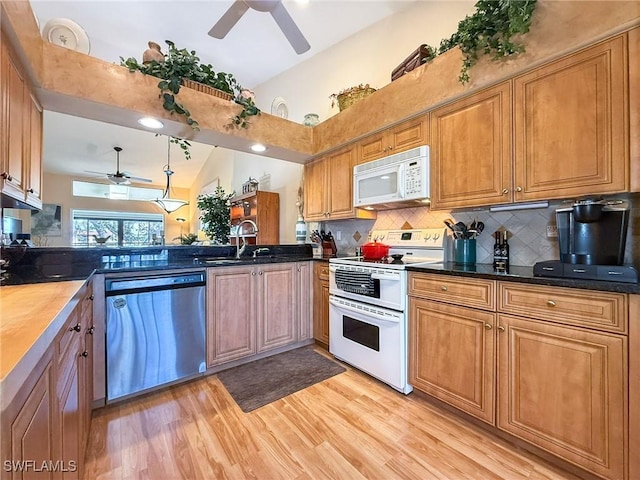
(593, 232)
(591, 238)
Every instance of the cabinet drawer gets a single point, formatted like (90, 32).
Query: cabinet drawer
(466, 291)
(322, 271)
(585, 308)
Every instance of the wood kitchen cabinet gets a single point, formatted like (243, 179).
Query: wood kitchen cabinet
(276, 287)
(569, 130)
(564, 390)
(231, 314)
(545, 364)
(304, 304)
(328, 188)
(452, 346)
(570, 124)
(49, 418)
(20, 133)
(405, 136)
(470, 150)
(321, 303)
(253, 309)
(30, 434)
(264, 209)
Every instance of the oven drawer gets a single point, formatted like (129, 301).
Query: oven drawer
(470, 292)
(584, 308)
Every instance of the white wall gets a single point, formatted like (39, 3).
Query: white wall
(366, 57)
(232, 169)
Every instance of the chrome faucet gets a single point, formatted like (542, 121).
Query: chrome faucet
(240, 249)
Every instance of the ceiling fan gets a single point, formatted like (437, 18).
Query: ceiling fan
(277, 11)
(120, 178)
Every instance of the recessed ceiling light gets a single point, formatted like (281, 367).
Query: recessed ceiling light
(258, 147)
(150, 122)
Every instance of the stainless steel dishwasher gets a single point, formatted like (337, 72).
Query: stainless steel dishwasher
(155, 331)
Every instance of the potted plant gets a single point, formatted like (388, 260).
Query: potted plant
(349, 96)
(187, 238)
(216, 215)
(181, 67)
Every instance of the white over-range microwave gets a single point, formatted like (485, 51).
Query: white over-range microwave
(397, 181)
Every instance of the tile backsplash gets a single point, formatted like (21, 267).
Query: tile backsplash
(528, 228)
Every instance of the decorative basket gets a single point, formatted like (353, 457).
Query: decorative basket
(353, 96)
(201, 87)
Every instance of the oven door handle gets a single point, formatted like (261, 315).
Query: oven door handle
(368, 314)
(382, 276)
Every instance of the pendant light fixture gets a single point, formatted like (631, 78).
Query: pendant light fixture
(167, 203)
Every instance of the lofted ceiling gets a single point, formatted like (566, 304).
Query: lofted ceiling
(255, 50)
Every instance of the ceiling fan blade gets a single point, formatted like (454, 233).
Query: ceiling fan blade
(139, 179)
(229, 19)
(290, 29)
(96, 173)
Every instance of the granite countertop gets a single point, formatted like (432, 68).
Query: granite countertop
(522, 275)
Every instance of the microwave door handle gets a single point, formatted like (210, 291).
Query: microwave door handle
(401, 180)
(366, 314)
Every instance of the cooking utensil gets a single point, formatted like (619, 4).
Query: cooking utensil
(449, 223)
(375, 250)
(461, 230)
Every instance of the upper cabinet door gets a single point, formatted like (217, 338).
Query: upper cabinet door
(34, 157)
(340, 190)
(571, 137)
(406, 135)
(471, 150)
(314, 190)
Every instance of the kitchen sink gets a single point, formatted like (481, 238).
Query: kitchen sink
(215, 261)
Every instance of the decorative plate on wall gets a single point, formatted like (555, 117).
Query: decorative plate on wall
(279, 107)
(66, 33)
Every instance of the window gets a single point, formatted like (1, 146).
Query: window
(124, 229)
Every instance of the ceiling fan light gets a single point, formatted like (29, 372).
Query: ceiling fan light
(150, 122)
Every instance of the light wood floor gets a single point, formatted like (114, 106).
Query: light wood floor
(348, 427)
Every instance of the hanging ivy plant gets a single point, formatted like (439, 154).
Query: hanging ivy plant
(179, 64)
(489, 31)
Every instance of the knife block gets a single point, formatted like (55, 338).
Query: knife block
(329, 248)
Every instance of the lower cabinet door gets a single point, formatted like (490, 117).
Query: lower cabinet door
(451, 355)
(230, 314)
(32, 430)
(564, 390)
(277, 324)
(69, 421)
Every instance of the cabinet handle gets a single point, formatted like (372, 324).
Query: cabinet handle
(389, 148)
(298, 268)
(77, 328)
(488, 326)
(253, 274)
(6, 176)
(260, 272)
(91, 297)
(92, 329)
(84, 354)
(518, 189)
(551, 303)
(501, 328)
(505, 191)
(30, 190)
(444, 288)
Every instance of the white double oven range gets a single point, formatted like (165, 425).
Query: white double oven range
(368, 318)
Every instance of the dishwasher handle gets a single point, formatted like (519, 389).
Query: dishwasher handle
(119, 286)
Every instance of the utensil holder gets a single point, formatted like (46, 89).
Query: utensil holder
(464, 251)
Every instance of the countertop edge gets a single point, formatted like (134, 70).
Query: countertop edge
(597, 285)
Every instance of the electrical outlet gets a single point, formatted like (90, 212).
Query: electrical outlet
(552, 231)
(339, 235)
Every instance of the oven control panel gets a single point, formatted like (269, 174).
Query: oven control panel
(419, 237)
